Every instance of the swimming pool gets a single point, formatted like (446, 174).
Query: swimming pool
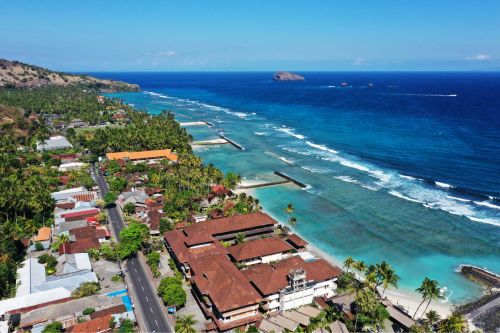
(117, 292)
(127, 302)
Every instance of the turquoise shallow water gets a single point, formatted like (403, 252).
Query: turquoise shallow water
(354, 204)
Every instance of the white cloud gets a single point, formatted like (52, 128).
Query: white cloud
(162, 54)
(479, 57)
(359, 61)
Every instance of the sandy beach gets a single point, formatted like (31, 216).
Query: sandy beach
(408, 300)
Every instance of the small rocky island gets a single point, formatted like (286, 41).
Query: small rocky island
(287, 76)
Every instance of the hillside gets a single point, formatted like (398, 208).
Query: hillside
(21, 75)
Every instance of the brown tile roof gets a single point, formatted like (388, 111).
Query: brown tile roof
(93, 326)
(216, 277)
(86, 197)
(43, 234)
(154, 219)
(152, 190)
(83, 232)
(141, 155)
(259, 248)
(66, 205)
(271, 278)
(178, 240)
(296, 241)
(219, 190)
(120, 308)
(80, 246)
(231, 224)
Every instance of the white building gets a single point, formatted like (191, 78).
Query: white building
(54, 143)
(293, 282)
(71, 166)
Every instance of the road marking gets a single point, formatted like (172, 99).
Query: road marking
(139, 279)
(135, 270)
(157, 323)
(151, 309)
(142, 287)
(147, 299)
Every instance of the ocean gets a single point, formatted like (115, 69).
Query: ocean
(402, 167)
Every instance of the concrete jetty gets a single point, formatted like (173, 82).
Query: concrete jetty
(286, 180)
(234, 143)
(220, 141)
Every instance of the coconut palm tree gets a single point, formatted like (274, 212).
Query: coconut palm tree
(348, 263)
(389, 278)
(432, 317)
(454, 323)
(289, 208)
(429, 289)
(359, 265)
(434, 293)
(185, 324)
(293, 221)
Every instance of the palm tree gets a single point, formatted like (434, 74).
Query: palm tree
(289, 208)
(293, 221)
(454, 323)
(432, 317)
(185, 324)
(348, 263)
(389, 278)
(429, 289)
(360, 266)
(433, 293)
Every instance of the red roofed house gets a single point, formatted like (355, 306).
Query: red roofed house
(258, 251)
(293, 282)
(80, 246)
(80, 215)
(223, 292)
(97, 325)
(252, 226)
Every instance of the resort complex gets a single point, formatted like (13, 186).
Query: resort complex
(118, 226)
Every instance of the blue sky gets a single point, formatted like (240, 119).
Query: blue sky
(124, 35)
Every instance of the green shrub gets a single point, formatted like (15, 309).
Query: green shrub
(39, 246)
(88, 311)
(171, 291)
(54, 327)
(86, 289)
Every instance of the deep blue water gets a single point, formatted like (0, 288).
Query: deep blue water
(400, 166)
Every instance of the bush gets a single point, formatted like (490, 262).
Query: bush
(88, 311)
(49, 261)
(117, 278)
(166, 225)
(108, 251)
(39, 246)
(54, 327)
(153, 260)
(86, 289)
(171, 291)
(126, 326)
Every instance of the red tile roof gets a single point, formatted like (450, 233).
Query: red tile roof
(259, 248)
(66, 205)
(296, 241)
(82, 213)
(86, 197)
(228, 289)
(109, 311)
(177, 240)
(80, 246)
(232, 224)
(219, 190)
(271, 278)
(100, 324)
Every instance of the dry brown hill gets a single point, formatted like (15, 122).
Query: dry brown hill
(21, 75)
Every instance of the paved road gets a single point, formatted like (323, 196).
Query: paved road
(149, 305)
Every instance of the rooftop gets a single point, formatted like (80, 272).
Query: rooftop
(141, 155)
(54, 142)
(296, 241)
(100, 324)
(216, 277)
(232, 224)
(271, 278)
(259, 248)
(43, 234)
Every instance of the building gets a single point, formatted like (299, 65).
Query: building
(298, 243)
(293, 282)
(252, 226)
(223, 292)
(143, 155)
(65, 194)
(54, 143)
(264, 250)
(71, 166)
